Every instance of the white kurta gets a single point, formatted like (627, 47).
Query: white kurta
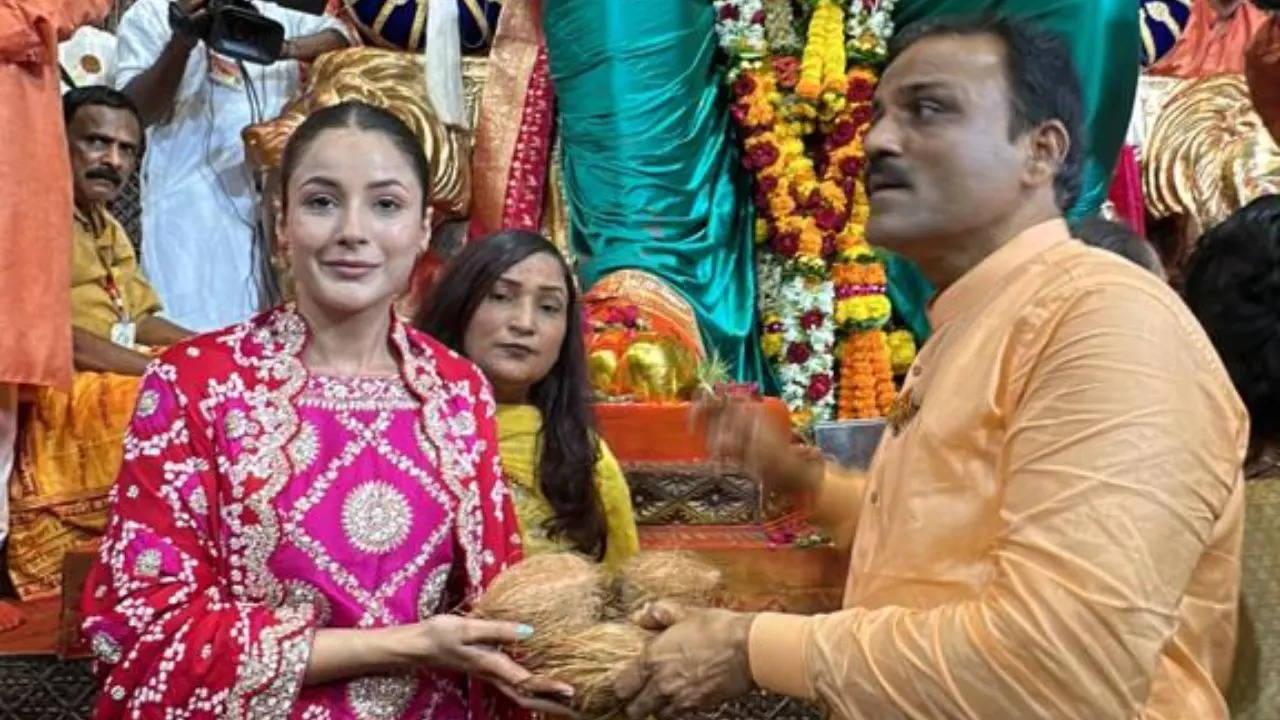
(198, 199)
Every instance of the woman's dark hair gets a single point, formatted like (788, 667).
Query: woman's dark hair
(1119, 239)
(1233, 287)
(566, 469)
(1042, 79)
(360, 116)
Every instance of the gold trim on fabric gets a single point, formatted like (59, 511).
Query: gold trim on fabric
(511, 60)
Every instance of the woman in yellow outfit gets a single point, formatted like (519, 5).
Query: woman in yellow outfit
(508, 302)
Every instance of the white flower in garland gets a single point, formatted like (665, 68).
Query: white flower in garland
(868, 31)
(809, 336)
(740, 27)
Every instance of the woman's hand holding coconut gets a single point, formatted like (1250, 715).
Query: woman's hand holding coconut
(442, 642)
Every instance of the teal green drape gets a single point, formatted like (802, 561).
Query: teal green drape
(1105, 43)
(651, 170)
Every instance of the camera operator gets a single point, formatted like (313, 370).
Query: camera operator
(198, 196)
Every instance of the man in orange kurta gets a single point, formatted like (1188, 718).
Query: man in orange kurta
(35, 263)
(1051, 526)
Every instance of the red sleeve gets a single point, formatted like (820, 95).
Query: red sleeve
(171, 638)
(501, 533)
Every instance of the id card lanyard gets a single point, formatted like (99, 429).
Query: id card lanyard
(124, 331)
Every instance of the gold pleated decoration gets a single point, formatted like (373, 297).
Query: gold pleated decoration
(387, 79)
(1208, 153)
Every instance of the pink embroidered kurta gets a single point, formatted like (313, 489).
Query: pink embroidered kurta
(259, 502)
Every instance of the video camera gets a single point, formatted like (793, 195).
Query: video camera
(237, 29)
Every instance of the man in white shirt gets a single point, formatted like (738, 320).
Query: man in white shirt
(198, 194)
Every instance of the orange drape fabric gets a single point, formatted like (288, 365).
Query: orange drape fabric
(1214, 40)
(71, 448)
(35, 212)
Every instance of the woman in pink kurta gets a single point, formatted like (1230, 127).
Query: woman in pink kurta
(307, 496)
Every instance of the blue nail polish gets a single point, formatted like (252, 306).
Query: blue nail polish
(524, 631)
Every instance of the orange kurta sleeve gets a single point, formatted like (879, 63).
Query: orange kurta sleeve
(1120, 467)
(29, 28)
(35, 218)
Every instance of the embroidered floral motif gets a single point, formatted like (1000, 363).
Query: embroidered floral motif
(199, 503)
(376, 517)
(148, 563)
(236, 425)
(105, 648)
(148, 401)
(300, 592)
(271, 669)
(304, 448)
(432, 592)
(381, 697)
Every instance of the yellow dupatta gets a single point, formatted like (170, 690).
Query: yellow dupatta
(518, 430)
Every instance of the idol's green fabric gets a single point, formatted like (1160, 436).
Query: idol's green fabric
(909, 293)
(1105, 43)
(651, 168)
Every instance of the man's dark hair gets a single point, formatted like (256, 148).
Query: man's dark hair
(90, 95)
(1233, 287)
(1043, 84)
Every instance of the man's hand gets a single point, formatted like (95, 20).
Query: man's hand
(188, 20)
(699, 661)
(739, 433)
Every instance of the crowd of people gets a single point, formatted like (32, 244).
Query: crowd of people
(1054, 524)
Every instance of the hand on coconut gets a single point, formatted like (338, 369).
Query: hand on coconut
(739, 433)
(450, 642)
(442, 642)
(699, 661)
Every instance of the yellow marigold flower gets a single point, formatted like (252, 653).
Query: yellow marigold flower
(762, 230)
(790, 223)
(781, 205)
(811, 242)
(832, 193)
(902, 350)
(771, 344)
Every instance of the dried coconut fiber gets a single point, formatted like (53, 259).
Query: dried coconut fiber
(554, 593)
(667, 575)
(591, 660)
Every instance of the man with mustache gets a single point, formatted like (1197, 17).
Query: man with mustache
(1051, 526)
(113, 308)
(72, 441)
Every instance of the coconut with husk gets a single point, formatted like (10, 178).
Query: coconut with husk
(556, 594)
(591, 660)
(667, 575)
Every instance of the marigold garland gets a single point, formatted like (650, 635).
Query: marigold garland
(866, 376)
(802, 121)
